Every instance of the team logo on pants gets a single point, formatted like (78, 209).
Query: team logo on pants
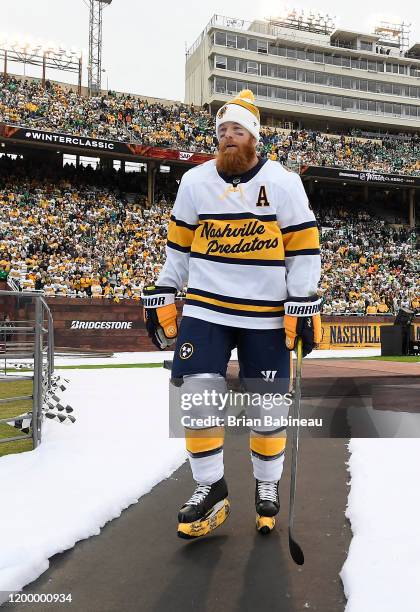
(269, 375)
(186, 350)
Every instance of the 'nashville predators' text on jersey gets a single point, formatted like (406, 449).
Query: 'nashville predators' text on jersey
(243, 244)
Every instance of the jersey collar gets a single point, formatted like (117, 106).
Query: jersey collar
(235, 179)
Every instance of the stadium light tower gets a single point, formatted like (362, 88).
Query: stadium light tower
(95, 45)
(37, 53)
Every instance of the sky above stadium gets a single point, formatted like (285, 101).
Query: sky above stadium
(144, 42)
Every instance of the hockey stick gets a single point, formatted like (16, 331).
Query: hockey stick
(295, 550)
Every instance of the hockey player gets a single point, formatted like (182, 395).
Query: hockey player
(242, 235)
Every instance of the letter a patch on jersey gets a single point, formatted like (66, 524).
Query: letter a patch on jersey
(262, 197)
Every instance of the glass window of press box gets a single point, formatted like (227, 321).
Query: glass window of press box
(236, 41)
(293, 96)
(276, 71)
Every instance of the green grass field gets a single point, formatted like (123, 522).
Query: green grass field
(403, 358)
(13, 389)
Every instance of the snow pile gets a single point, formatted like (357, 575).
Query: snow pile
(84, 475)
(381, 573)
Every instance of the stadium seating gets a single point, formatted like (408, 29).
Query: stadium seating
(74, 239)
(91, 233)
(368, 265)
(79, 235)
(127, 118)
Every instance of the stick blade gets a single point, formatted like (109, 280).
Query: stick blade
(295, 551)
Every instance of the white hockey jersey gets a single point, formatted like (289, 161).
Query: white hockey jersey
(243, 244)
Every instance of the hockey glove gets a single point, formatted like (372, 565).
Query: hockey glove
(302, 319)
(160, 315)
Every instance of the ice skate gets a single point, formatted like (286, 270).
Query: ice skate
(206, 509)
(267, 505)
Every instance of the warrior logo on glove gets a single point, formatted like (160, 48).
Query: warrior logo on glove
(160, 315)
(302, 319)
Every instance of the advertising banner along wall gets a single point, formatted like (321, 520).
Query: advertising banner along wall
(99, 145)
(363, 176)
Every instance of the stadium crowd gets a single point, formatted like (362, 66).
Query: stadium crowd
(124, 117)
(119, 117)
(79, 240)
(315, 149)
(368, 265)
(70, 238)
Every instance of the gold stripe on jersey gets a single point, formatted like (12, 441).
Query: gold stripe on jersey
(301, 239)
(268, 446)
(243, 307)
(201, 442)
(180, 235)
(242, 238)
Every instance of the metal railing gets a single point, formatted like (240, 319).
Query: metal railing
(14, 285)
(294, 164)
(269, 27)
(27, 344)
(258, 26)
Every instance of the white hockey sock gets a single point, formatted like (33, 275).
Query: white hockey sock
(207, 470)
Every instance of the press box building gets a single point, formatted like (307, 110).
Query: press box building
(314, 76)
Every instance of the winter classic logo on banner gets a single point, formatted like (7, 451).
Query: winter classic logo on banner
(98, 145)
(46, 138)
(76, 141)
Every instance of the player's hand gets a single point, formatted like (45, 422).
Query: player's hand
(160, 315)
(302, 319)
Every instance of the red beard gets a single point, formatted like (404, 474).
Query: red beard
(235, 160)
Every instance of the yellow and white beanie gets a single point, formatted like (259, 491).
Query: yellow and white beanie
(241, 110)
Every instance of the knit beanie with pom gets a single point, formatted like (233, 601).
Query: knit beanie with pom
(241, 110)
